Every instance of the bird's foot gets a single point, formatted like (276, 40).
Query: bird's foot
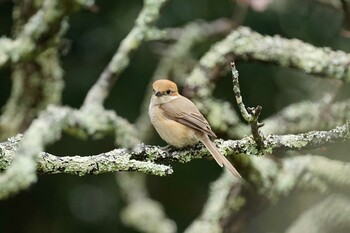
(168, 149)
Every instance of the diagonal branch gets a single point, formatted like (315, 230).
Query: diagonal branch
(143, 27)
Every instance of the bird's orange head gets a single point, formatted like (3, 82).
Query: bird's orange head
(165, 87)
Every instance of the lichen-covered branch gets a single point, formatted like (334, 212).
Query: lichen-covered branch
(247, 145)
(251, 115)
(318, 220)
(112, 161)
(37, 29)
(46, 129)
(143, 152)
(143, 27)
(220, 26)
(306, 115)
(96, 122)
(231, 200)
(22, 171)
(39, 77)
(216, 206)
(142, 213)
(246, 44)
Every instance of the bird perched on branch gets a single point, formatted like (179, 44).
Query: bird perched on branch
(179, 122)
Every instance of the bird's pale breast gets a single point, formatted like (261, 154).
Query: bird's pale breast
(174, 133)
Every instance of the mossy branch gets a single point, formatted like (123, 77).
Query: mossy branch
(36, 30)
(124, 160)
(250, 114)
(139, 33)
(307, 115)
(318, 220)
(47, 129)
(246, 44)
(232, 199)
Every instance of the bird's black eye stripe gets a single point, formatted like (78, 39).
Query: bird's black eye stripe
(168, 92)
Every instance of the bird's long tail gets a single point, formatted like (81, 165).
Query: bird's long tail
(220, 159)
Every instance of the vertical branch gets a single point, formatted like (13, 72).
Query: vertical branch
(250, 114)
(37, 82)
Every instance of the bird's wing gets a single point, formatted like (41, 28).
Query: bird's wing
(185, 112)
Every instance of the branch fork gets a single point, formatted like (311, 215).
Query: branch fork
(250, 114)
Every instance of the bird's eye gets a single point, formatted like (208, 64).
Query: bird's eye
(168, 92)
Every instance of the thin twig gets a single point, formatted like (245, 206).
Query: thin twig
(250, 114)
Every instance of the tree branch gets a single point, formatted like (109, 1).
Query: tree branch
(306, 115)
(231, 200)
(318, 220)
(245, 44)
(142, 213)
(109, 161)
(247, 145)
(251, 115)
(36, 30)
(47, 129)
(143, 25)
(112, 161)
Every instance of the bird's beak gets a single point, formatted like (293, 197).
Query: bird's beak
(158, 94)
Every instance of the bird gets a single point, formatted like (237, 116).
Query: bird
(179, 122)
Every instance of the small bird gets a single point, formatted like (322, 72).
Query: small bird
(179, 122)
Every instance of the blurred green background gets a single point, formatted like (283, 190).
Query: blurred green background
(66, 203)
